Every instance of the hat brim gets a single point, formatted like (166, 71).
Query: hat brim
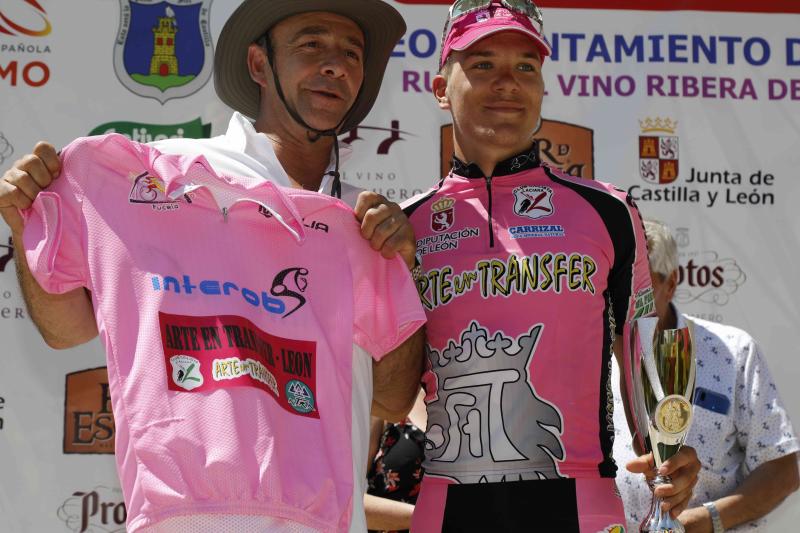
(381, 23)
(473, 35)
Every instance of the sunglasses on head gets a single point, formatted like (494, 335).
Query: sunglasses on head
(465, 7)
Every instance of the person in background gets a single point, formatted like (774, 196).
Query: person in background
(740, 429)
(397, 450)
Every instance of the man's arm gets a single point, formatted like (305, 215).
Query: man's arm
(760, 492)
(64, 320)
(396, 378)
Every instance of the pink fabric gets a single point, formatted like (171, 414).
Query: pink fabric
(229, 335)
(479, 24)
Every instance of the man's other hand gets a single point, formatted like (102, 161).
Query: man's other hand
(21, 183)
(385, 226)
(682, 468)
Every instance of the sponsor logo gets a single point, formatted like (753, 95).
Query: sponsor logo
(526, 232)
(287, 284)
(445, 241)
(6, 254)
(547, 272)
(473, 383)
(443, 214)
(533, 201)
(149, 189)
(385, 143)
(310, 224)
(101, 509)
(88, 420)
(567, 147)
(163, 50)
(658, 150)
(299, 396)
(206, 353)
(186, 372)
(644, 303)
(24, 18)
(145, 133)
(5, 148)
(33, 73)
(705, 276)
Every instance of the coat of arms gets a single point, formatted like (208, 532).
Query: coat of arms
(658, 151)
(163, 48)
(443, 214)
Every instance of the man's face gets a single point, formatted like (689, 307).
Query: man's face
(320, 60)
(495, 89)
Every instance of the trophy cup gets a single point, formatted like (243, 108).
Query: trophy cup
(660, 389)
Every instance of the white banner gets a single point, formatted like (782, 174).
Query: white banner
(695, 113)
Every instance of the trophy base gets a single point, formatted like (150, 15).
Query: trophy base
(657, 521)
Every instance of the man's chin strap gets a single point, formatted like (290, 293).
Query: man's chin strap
(314, 133)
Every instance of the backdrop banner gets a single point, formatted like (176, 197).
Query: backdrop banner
(694, 111)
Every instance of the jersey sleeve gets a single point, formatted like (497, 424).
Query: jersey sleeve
(630, 286)
(762, 425)
(54, 235)
(387, 309)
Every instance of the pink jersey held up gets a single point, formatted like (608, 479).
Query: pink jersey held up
(229, 309)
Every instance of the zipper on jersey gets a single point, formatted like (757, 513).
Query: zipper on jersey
(491, 229)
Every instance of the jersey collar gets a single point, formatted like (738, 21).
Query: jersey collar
(520, 162)
(243, 137)
(183, 175)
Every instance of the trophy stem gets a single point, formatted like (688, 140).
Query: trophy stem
(657, 521)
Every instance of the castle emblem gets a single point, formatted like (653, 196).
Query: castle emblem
(163, 50)
(658, 151)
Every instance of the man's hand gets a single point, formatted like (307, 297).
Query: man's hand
(24, 181)
(682, 468)
(386, 227)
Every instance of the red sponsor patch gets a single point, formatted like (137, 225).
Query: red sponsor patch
(212, 352)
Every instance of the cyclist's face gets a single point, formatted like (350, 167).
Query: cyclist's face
(495, 89)
(320, 60)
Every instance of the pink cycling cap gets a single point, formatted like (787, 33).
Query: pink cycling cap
(474, 26)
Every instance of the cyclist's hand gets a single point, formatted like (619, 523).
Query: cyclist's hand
(385, 226)
(26, 179)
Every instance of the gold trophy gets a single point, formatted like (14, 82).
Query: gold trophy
(660, 387)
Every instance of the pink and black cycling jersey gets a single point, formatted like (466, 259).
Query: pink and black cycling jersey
(527, 277)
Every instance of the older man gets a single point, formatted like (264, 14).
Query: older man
(740, 429)
(529, 277)
(305, 70)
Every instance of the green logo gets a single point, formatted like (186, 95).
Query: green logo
(645, 303)
(145, 133)
(299, 396)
